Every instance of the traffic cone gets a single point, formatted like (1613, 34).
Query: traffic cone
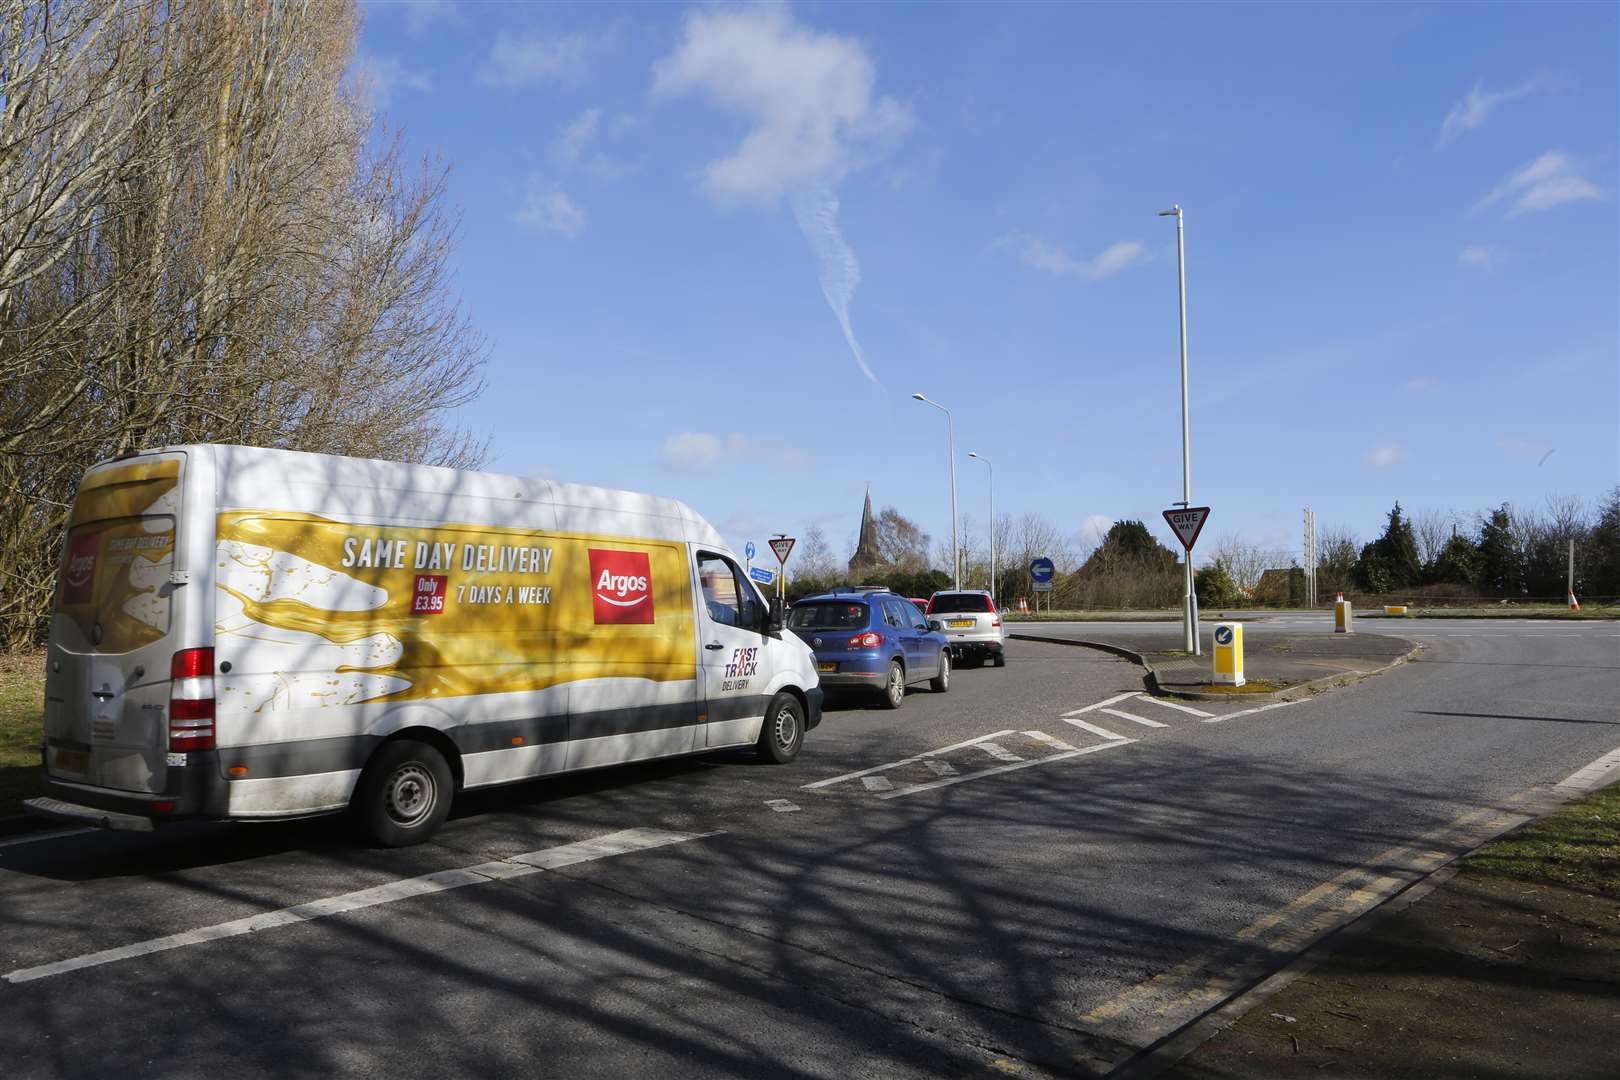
(1574, 604)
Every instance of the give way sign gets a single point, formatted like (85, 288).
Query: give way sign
(1187, 523)
(781, 546)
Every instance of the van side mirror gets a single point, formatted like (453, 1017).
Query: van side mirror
(775, 621)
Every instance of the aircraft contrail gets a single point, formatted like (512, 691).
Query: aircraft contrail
(817, 213)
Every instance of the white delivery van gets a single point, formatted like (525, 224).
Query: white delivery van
(248, 634)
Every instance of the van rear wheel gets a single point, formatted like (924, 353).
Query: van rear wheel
(404, 794)
(781, 737)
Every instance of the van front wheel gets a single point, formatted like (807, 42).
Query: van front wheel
(404, 794)
(782, 735)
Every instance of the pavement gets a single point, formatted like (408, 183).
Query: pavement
(1044, 872)
(1274, 661)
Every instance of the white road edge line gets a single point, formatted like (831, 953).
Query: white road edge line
(982, 773)
(1100, 704)
(1111, 736)
(904, 761)
(1133, 718)
(533, 862)
(1177, 706)
(1591, 776)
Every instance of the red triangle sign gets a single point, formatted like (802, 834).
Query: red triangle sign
(1187, 523)
(781, 546)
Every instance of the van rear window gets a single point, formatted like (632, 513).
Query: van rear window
(112, 585)
(827, 616)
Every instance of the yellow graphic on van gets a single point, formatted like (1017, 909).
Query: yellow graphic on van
(394, 613)
(116, 563)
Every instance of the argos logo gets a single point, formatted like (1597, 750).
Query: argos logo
(79, 572)
(621, 591)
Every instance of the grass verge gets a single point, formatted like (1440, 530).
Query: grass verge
(22, 695)
(1577, 848)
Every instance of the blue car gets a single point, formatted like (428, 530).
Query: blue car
(873, 639)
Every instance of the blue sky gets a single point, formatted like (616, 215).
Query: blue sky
(1401, 241)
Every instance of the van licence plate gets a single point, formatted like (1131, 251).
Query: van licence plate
(73, 761)
(827, 669)
(959, 622)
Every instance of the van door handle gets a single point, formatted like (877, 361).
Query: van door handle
(714, 645)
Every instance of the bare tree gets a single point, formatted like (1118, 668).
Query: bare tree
(1432, 529)
(198, 244)
(903, 544)
(816, 560)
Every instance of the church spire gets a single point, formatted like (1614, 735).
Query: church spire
(867, 554)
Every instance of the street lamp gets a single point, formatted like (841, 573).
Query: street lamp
(1189, 600)
(950, 449)
(992, 469)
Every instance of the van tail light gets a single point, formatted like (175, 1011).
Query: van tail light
(191, 700)
(869, 640)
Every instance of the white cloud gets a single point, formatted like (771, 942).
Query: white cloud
(518, 61)
(423, 15)
(814, 118)
(1420, 384)
(808, 95)
(576, 135)
(1034, 251)
(1551, 180)
(699, 451)
(1479, 256)
(548, 208)
(1476, 106)
(1384, 455)
(1525, 449)
(379, 76)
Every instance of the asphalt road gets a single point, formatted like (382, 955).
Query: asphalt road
(975, 884)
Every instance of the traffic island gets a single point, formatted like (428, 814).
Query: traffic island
(1508, 967)
(1278, 666)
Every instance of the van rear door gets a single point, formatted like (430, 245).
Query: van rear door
(107, 675)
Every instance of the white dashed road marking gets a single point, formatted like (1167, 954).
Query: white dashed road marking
(1177, 706)
(877, 783)
(997, 751)
(1043, 737)
(533, 862)
(831, 780)
(940, 768)
(1100, 704)
(981, 774)
(1133, 718)
(781, 806)
(1095, 730)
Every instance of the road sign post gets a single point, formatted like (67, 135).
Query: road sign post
(781, 547)
(1187, 522)
(1041, 572)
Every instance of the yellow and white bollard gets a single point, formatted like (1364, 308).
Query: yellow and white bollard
(1342, 617)
(1229, 654)
(1394, 609)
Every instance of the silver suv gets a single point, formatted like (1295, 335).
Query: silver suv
(971, 625)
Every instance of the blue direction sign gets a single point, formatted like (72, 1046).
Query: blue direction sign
(762, 575)
(748, 551)
(1041, 570)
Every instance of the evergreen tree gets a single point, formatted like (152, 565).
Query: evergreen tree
(1391, 562)
(1602, 548)
(1458, 562)
(1501, 565)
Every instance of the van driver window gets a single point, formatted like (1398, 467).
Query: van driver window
(726, 597)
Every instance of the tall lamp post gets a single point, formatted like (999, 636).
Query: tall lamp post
(1189, 600)
(950, 448)
(992, 468)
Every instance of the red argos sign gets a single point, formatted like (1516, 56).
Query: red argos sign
(79, 571)
(621, 587)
